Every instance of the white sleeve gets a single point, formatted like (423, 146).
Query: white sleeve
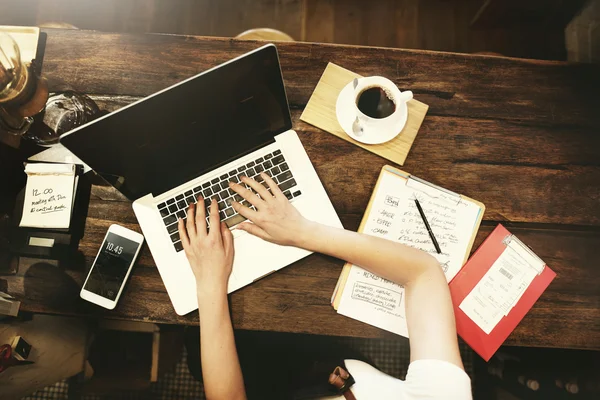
(436, 380)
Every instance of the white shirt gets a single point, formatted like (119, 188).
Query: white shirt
(425, 380)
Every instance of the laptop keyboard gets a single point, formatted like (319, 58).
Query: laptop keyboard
(273, 164)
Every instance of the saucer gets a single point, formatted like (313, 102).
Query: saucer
(344, 110)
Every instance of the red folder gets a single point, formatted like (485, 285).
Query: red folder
(463, 283)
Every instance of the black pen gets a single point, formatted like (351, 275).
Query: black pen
(435, 243)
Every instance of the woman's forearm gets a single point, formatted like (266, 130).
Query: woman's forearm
(429, 312)
(220, 364)
(394, 261)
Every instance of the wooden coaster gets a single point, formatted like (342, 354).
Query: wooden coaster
(320, 112)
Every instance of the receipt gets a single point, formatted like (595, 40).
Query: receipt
(502, 286)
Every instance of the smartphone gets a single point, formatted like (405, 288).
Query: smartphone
(111, 268)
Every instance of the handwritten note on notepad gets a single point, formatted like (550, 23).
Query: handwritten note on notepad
(394, 216)
(49, 195)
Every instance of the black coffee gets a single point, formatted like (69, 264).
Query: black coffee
(375, 103)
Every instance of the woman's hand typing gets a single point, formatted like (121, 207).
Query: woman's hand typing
(210, 253)
(275, 218)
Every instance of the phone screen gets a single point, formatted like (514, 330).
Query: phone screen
(111, 266)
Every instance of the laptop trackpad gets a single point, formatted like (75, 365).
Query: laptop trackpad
(256, 258)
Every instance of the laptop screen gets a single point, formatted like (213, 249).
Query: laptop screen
(176, 135)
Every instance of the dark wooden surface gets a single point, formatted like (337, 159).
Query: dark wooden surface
(442, 25)
(521, 136)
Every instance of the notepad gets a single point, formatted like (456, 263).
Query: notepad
(392, 214)
(49, 195)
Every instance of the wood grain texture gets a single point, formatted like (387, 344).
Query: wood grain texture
(432, 24)
(539, 13)
(518, 135)
(320, 111)
(500, 124)
(296, 299)
(487, 87)
(437, 27)
(348, 22)
(407, 24)
(317, 21)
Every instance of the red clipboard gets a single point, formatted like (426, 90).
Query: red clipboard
(463, 283)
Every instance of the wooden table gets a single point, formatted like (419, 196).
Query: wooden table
(522, 136)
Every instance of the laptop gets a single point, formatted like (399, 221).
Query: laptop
(193, 138)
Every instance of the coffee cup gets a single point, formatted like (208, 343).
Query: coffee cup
(372, 109)
(379, 104)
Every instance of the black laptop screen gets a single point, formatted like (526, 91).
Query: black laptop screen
(177, 135)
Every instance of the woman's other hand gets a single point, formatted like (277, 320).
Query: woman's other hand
(210, 252)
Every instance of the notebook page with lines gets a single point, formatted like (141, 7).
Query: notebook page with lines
(392, 214)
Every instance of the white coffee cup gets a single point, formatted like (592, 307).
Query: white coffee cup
(364, 124)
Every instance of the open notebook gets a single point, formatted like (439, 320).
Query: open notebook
(392, 214)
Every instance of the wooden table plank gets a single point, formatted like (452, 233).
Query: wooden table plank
(507, 165)
(543, 92)
(519, 135)
(296, 299)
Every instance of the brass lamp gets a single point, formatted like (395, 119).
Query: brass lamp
(23, 93)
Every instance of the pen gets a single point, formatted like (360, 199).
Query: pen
(435, 243)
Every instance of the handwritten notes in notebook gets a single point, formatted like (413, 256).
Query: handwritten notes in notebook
(49, 195)
(394, 216)
(502, 286)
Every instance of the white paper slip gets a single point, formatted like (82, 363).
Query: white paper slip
(375, 301)
(502, 286)
(394, 216)
(49, 195)
(59, 154)
(8, 305)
